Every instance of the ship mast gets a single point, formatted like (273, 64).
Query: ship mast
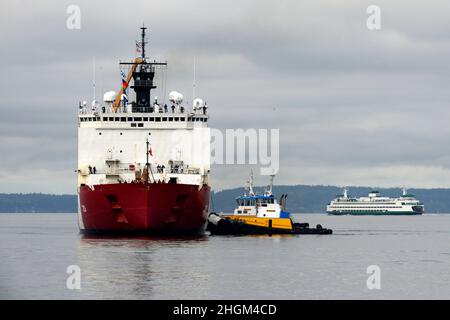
(270, 186)
(250, 184)
(142, 72)
(143, 28)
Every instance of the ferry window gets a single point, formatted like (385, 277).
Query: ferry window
(145, 118)
(152, 119)
(105, 119)
(138, 119)
(158, 119)
(182, 119)
(111, 119)
(239, 211)
(130, 119)
(99, 133)
(123, 119)
(170, 119)
(164, 119)
(98, 118)
(81, 119)
(140, 125)
(94, 119)
(133, 125)
(264, 205)
(116, 119)
(176, 118)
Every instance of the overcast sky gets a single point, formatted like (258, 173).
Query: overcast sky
(354, 106)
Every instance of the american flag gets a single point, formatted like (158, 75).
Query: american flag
(124, 81)
(138, 46)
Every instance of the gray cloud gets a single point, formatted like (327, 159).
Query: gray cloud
(353, 106)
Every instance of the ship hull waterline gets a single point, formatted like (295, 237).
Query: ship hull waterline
(137, 208)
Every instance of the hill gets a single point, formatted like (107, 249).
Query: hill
(301, 198)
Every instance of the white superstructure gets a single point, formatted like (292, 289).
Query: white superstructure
(374, 204)
(113, 146)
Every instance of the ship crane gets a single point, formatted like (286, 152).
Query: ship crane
(136, 62)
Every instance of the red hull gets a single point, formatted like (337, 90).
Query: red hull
(159, 207)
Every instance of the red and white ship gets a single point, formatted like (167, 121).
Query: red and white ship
(143, 166)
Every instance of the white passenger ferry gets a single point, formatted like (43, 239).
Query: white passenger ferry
(374, 204)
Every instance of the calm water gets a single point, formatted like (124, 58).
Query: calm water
(412, 252)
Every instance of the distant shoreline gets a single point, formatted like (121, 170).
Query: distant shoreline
(301, 198)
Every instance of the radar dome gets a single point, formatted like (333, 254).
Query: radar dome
(109, 96)
(198, 103)
(175, 97)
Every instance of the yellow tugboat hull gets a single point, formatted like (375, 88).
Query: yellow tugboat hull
(277, 223)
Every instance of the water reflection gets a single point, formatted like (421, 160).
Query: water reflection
(140, 240)
(142, 267)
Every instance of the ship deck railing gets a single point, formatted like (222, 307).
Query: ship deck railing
(115, 171)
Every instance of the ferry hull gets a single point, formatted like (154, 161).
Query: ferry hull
(143, 208)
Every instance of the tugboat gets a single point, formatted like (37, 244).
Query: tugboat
(259, 214)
